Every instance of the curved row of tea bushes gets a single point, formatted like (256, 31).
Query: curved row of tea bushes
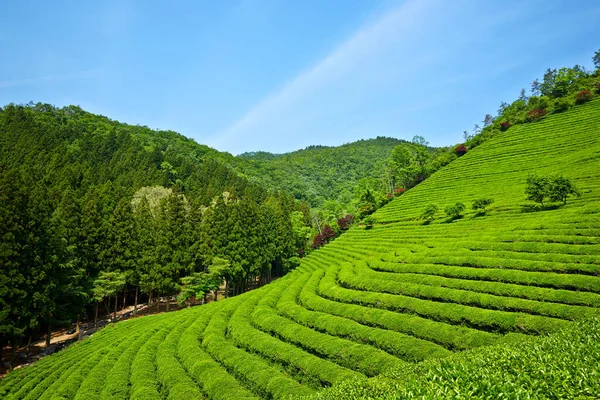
(349, 278)
(208, 374)
(362, 358)
(306, 367)
(400, 345)
(253, 371)
(490, 320)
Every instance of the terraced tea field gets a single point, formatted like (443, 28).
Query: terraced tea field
(375, 299)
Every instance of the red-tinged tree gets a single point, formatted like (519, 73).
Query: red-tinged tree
(461, 149)
(598, 88)
(324, 237)
(583, 96)
(504, 126)
(346, 222)
(399, 191)
(536, 114)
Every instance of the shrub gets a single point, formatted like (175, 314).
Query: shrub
(598, 88)
(561, 104)
(346, 222)
(504, 126)
(479, 205)
(429, 212)
(461, 149)
(583, 96)
(455, 210)
(324, 237)
(399, 191)
(536, 114)
(369, 221)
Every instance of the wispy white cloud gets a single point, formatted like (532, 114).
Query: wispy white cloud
(364, 62)
(51, 78)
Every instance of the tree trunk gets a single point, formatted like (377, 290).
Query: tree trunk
(13, 354)
(216, 294)
(77, 327)
(107, 305)
(124, 299)
(149, 301)
(205, 297)
(28, 347)
(226, 288)
(136, 302)
(96, 315)
(168, 303)
(48, 335)
(116, 302)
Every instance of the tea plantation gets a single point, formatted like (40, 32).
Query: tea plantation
(394, 301)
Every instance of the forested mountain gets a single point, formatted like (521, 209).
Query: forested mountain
(91, 208)
(320, 173)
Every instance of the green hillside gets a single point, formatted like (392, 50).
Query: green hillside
(320, 173)
(391, 300)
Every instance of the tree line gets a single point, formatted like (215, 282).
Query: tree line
(96, 214)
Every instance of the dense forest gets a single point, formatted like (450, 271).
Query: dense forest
(94, 210)
(320, 173)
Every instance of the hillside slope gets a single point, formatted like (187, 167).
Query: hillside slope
(375, 299)
(320, 173)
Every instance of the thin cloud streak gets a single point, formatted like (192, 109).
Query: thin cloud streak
(351, 60)
(70, 76)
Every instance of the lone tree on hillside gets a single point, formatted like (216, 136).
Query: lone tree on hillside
(429, 212)
(454, 211)
(561, 188)
(480, 205)
(537, 188)
(556, 188)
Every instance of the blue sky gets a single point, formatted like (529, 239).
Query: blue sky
(279, 75)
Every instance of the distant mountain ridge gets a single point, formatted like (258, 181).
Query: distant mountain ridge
(319, 173)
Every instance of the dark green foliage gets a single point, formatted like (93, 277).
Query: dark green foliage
(480, 205)
(537, 188)
(429, 212)
(561, 188)
(454, 211)
(401, 295)
(319, 173)
(85, 196)
(369, 221)
(561, 104)
(556, 188)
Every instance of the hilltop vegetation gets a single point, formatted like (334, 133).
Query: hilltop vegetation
(382, 299)
(320, 173)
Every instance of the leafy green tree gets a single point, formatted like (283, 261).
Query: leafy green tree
(107, 285)
(537, 188)
(409, 162)
(480, 205)
(454, 211)
(429, 212)
(369, 221)
(302, 232)
(596, 59)
(561, 188)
